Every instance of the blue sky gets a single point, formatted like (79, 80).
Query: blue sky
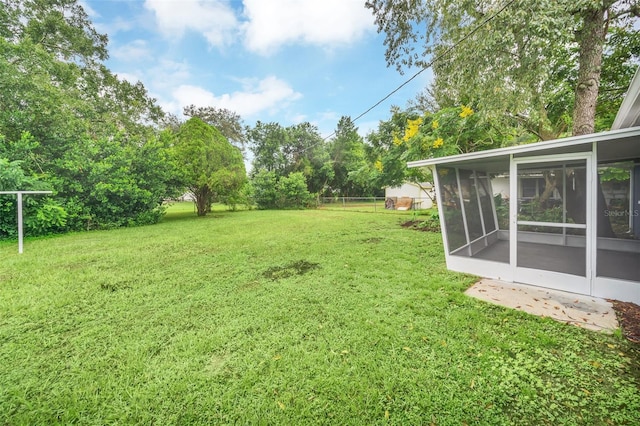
(284, 61)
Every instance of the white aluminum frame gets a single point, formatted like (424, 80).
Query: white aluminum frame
(556, 280)
(20, 226)
(591, 283)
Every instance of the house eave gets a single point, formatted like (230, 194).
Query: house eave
(629, 112)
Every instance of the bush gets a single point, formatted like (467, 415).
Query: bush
(41, 214)
(293, 193)
(288, 192)
(265, 193)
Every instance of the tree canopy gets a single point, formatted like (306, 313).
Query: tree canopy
(229, 123)
(536, 62)
(210, 167)
(72, 126)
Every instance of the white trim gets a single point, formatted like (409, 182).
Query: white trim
(443, 228)
(513, 215)
(481, 267)
(553, 224)
(591, 207)
(556, 280)
(629, 111)
(20, 225)
(610, 288)
(25, 192)
(601, 286)
(592, 217)
(554, 158)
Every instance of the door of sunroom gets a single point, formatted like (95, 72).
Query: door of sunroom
(551, 221)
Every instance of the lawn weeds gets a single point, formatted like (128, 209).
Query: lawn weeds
(285, 317)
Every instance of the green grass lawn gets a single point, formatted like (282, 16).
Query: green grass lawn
(284, 317)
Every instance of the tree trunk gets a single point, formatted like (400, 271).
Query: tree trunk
(576, 202)
(591, 40)
(550, 183)
(202, 198)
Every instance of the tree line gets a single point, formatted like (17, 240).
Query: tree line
(111, 155)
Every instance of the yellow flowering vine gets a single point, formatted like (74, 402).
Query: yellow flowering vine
(435, 124)
(438, 143)
(466, 111)
(412, 128)
(378, 165)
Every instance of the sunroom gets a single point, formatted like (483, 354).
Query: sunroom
(561, 214)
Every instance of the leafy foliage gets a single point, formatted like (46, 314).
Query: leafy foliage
(349, 159)
(293, 192)
(282, 156)
(229, 123)
(285, 192)
(73, 125)
(408, 136)
(42, 215)
(209, 165)
(537, 63)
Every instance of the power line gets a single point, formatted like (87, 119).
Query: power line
(433, 61)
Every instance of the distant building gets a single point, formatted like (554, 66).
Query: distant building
(422, 195)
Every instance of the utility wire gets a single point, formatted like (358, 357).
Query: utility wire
(433, 61)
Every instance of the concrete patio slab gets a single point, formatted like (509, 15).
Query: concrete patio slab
(583, 311)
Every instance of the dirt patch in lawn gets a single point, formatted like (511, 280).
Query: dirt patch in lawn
(629, 318)
(421, 225)
(295, 268)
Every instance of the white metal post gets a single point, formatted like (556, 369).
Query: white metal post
(513, 214)
(20, 228)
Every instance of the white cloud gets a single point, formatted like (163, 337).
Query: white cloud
(271, 24)
(137, 50)
(268, 95)
(131, 78)
(168, 73)
(214, 19)
(91, 12)
(298, 118)
(366, 127)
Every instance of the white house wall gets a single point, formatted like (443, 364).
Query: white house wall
(412, 190)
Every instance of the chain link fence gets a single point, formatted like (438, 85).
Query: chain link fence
(398, 205)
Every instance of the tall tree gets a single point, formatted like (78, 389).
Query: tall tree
(517, 61)
(348, 157)
(210, 166)
(229, 123)
(60, 27)
(89, 136)
(286, 150)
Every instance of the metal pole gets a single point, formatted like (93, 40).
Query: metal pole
(19, 200)
(20, 222)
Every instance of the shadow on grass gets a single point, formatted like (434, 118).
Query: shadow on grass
(183, 211)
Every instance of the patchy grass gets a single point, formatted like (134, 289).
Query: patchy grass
(289, 317)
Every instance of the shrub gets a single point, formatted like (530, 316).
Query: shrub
(293, 192)
(265, 193)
